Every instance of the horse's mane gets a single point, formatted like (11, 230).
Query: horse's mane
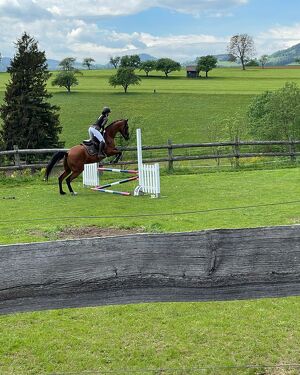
(114, 123)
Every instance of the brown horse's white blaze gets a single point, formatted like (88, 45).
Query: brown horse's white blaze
(77, 156)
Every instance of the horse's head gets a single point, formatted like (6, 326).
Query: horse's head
(124, 129)
(118, 126)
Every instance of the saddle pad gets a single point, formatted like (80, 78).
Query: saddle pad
(90, 148)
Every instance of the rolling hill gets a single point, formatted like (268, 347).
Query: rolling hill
(285, 57)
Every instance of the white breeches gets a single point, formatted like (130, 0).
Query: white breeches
(94, 132)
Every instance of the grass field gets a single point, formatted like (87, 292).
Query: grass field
(171, 336)
(136, 339)
(213, 200)
(181, 109)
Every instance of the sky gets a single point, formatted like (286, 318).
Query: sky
(179, 29)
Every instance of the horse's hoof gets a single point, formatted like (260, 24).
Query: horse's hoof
(74, 193)
(62, 193)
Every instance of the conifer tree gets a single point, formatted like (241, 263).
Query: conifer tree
(29, 120)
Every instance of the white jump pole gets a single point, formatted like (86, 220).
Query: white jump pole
(149, 180)
(139, 189)
(140, 156)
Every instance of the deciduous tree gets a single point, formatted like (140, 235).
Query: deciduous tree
(130, 61)
(252, 62)
(167, 66)
(67, 63)
(88, 61)
(206, 63)
(276, 115)
(65, 79)
(241, 47)
(263, 60)
(148, 66)
(124, 77)
(115, 61)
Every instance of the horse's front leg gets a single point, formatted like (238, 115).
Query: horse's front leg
(118, 155)
(117, 158)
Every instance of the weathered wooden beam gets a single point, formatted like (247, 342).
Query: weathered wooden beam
(197, 266)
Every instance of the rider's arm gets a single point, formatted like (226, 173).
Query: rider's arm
(104, 122)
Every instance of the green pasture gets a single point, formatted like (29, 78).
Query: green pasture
(142, 337)
(33, 210)
(158, 339)
(182, 109)
(172, 337)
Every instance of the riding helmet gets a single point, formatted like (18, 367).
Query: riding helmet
(106, 110)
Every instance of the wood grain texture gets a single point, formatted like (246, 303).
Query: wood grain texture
(196, 266)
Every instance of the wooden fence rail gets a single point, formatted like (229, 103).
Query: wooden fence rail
(235, 153)
(199, 266)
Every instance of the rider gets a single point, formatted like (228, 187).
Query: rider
(97, 129)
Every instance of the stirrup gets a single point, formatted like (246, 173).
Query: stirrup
(101, 149)
(101, 154)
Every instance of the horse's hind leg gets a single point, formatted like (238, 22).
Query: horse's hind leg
(70, 179)
(65, 173)
(60, 180)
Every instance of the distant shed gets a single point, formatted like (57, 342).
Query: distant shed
(191, 71)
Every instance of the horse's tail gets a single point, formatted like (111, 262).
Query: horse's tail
(56, 158)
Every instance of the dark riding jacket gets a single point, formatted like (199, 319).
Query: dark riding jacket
(101, 122)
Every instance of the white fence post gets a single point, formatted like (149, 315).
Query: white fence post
(140, 155)
(149, 179)
(156, 180)
(90, 175)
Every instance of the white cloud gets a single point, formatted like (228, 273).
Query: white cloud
(216, 8)
(278, 38)
(71, 28)
(96, 8)
(23, 9)
(61, 35)
(182, 47)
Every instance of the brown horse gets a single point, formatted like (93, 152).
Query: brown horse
(77, 156)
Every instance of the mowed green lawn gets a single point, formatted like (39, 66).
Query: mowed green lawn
(169, 336)
(144, 338)
(34, 210)
(157, 338)
(181, 109)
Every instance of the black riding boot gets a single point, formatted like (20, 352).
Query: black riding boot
(101, 152)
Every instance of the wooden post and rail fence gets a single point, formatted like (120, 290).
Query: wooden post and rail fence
(209, 265)
(217, 152)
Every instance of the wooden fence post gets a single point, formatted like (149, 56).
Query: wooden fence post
(292, 150)
(237, 152)
(17, 156)
(170, 156)
(234, 154)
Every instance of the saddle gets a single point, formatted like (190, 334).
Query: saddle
(91, 146)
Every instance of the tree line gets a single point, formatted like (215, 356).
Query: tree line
(126, 67)
(31, 121)
(240, 48)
